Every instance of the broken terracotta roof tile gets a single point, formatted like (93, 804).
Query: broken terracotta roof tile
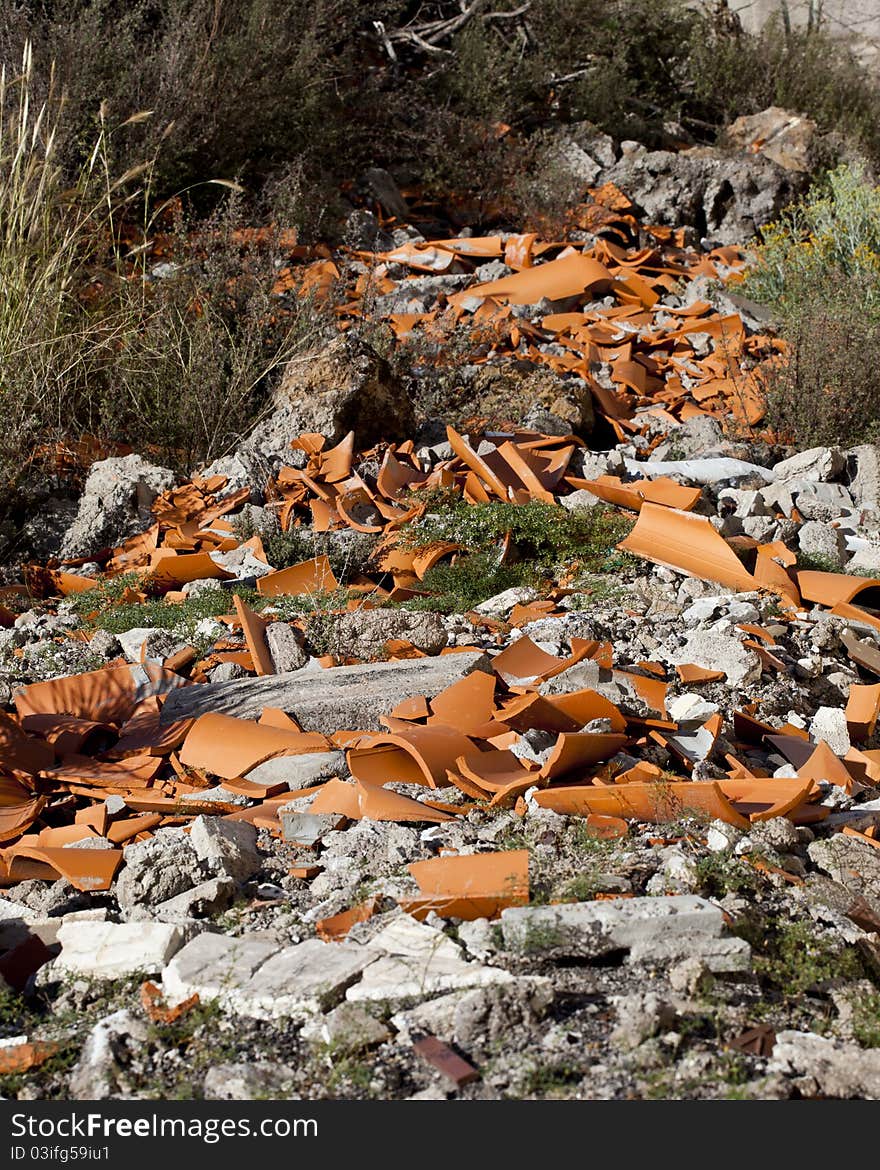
(416, 755)
(254, 629)
(687, 543)
(314, 576)
(469, 887)
(230, 747)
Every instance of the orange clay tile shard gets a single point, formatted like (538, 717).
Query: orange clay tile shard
(313, 576)
(169, 569)
(418, 755)
(687, 543)
(18, 751)
(154, 1005)
(254, 629)
(835, 588)
(644, 802)
(109, 695)
(230, 747)
(524, 661)
(85, 869)
(662, 491)
(371, 802)
(862, 709)
(19, 808)
(554, 280)
(823, 764)
(772, 562)
(22, 1057)
(338, 926)
(692, 675)
(469, 887)
(468, 703)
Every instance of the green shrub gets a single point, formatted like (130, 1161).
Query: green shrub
(818, 269)
(544, 534)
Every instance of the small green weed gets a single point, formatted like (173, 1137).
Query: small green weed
(866, 1021)
(792, 958)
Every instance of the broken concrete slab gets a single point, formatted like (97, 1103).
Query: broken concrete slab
(256, 976)
(344, 697)
(227, 849)
(850, 862)
(114, 950)
(590, 930)
(412, 961)
(827, 1068)
(300, 771)
(206, 898)
(347, 1028)
(214, 965)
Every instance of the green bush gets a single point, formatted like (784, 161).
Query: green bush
(546, 535)
(818, 270)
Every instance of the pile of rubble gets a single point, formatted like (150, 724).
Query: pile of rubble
(527, 849)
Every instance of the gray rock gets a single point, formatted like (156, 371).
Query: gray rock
(850, 862)
(226, 848)
(489, 1018)
(345, 697)
(863, 473)
(227, 672)
(818, 539)
(115, 504)
(784, 137)
(104, 645)
(364, 632)
(238, 475)
(640, 1015)
(829, 723)
(347, 1028)
(778, 833)
(254, 976)
(727, 196)
(284, 648)
(701, 435)
(826, 1067)
(719, 649)
(249, 1081)
(820, 463)
(363, 232)
(300, 771)
(115, 950)
(590, 930)
(156, 870)
(100, 1071)
(341, 386)
(201, 901)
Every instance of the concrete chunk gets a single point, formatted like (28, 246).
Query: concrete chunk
(590, 930)
(215, 965)
(831, 1068)
(255, 976)
(344, 697)
(301, 980)
(227, 848)
(414, 961)
(299, 771)
(112, 950)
